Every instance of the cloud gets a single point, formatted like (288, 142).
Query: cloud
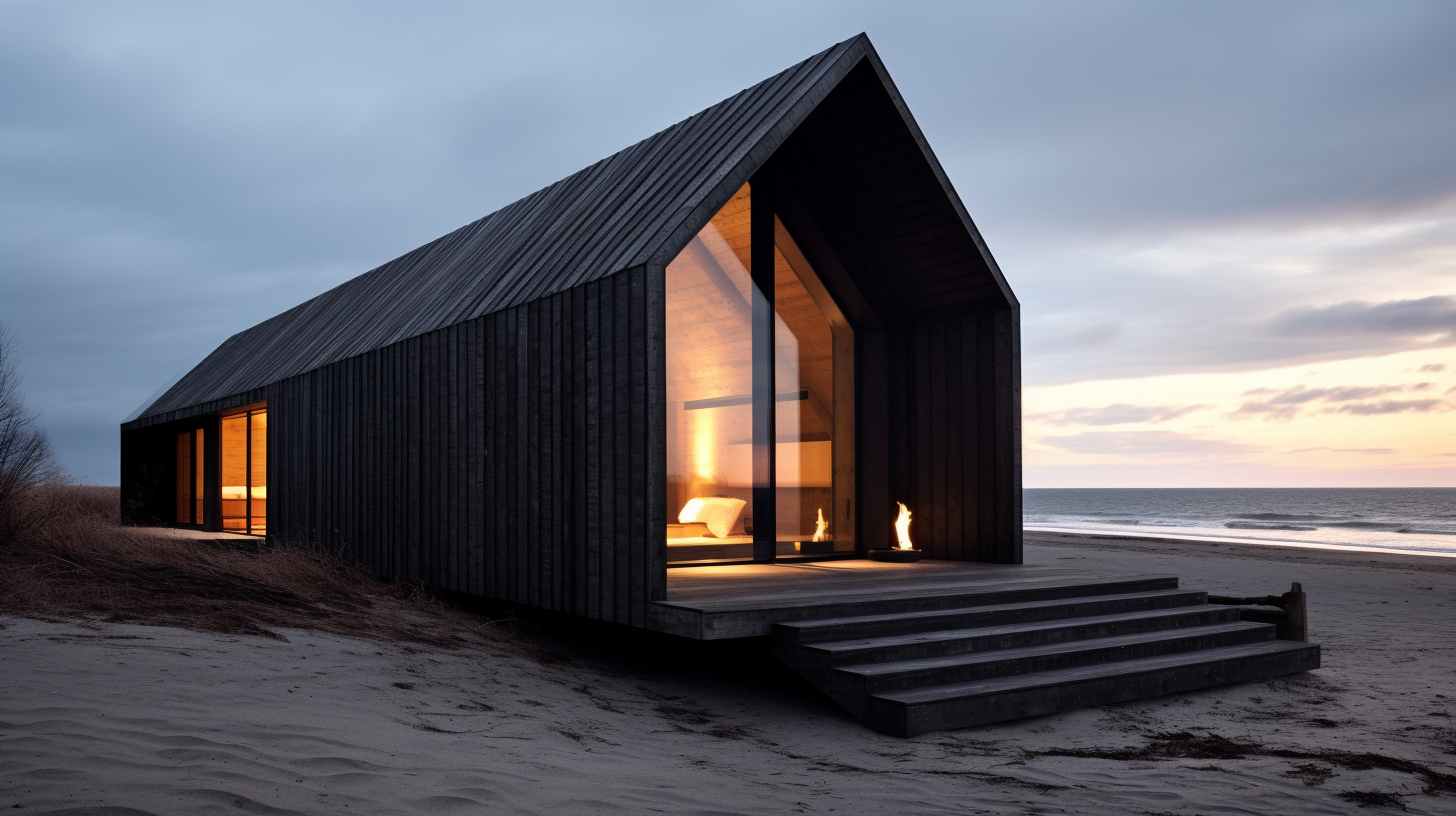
(1235, 299)
(1284, 405)
(1389, 407)
(1089, 338)
(1432, 368)
(1117, 414)
(1433, 317)
(175, 172)
(1365, 450)
(1148, 444)
(1340, 393)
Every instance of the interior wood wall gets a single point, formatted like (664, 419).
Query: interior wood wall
(508, 456)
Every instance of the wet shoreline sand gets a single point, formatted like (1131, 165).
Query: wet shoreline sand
(1285, 552)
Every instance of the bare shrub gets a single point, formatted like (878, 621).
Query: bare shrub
(79, 561)
(26, 458)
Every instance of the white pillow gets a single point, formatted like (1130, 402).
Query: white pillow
(721, 515)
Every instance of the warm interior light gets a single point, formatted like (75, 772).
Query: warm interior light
(239, 492)
(902, 527)
(820, 526)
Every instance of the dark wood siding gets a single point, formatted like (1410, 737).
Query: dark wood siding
(953, 434)
(148, 474)
(937, 346)
(149, 466)
(515, 455)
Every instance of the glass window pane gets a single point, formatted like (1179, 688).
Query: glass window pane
(199, 449)
(710, 392)
(805, 366)
(234, 467)
(258, 478)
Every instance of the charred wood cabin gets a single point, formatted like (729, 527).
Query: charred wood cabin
(686, 389)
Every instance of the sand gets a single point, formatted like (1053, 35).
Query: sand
(99, 718)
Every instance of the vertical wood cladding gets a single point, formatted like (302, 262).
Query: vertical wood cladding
(953, 433)
(487, 413)
(148, 475)
(937, 343)
(515, 455)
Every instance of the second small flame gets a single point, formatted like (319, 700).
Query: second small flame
(902, 527)
(820, 526)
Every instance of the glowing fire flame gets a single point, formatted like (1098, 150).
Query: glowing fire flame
(902, 527)
(820, 526)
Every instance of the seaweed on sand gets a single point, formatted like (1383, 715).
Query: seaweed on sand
(1186, 745)
(1374, 799)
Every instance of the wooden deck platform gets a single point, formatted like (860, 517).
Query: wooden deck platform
(712, 603)
(914, 648)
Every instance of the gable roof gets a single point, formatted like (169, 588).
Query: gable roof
(636, 207)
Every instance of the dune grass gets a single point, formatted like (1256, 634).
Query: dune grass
(78, 561)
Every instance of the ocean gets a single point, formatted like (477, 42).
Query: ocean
(1406, 519)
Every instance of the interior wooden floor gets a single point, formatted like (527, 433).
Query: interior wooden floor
(189, 534)
(711, 603)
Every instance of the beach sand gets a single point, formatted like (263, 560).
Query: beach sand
(100, 718)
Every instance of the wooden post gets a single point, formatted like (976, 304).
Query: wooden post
(1296, 623)
(1291, 618)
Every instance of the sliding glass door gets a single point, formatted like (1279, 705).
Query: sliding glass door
(243, 462)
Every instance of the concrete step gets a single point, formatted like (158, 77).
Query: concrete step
(944, 642)
(1012, 612)
(871, 678)
(908, 712)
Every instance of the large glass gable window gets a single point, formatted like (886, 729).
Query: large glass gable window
(759, 399)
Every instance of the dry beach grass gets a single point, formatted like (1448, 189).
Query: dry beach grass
(76, 560)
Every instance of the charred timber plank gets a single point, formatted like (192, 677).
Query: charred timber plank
(523, 531)
(555, 362)
(1008, 442)
(622, 486)
(874, 439)
(954, 430)
(656, 436)
(639, 540)
(609, 414)
(539, 561)
(590, 399)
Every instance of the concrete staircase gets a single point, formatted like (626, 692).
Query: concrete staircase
(952, 661)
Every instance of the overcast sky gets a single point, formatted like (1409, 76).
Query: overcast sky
(1261, 194)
